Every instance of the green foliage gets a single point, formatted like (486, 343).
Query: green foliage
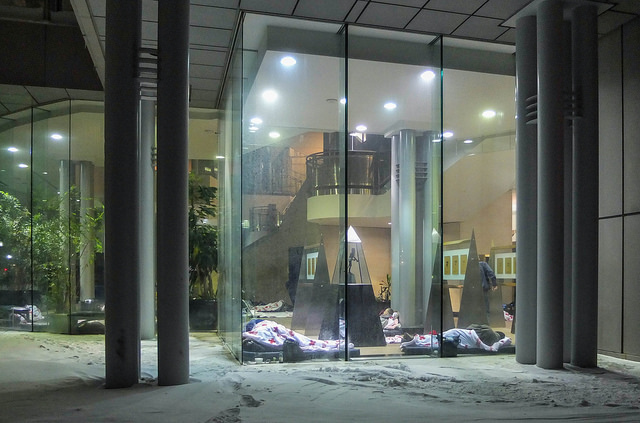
(203, 239)
(43, 244)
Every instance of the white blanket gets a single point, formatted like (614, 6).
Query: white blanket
(469, 339)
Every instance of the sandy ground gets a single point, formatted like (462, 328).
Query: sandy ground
(60, 378)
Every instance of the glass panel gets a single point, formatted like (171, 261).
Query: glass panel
(292, 143)
(15, 227)
(479, 186)
(393, 293)
(229, 280)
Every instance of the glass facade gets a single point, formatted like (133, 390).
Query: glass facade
(52, 192)
(370, 161)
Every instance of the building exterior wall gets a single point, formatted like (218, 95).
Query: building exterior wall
(619, 209)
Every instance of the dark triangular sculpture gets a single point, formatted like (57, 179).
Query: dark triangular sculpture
(438, 310)
(472, 308)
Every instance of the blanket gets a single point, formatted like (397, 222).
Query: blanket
(273, 335)
(468, 339)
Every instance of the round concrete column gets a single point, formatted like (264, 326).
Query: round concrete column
(526, 191)
(549, 346)
(121, 105)
(172, 230)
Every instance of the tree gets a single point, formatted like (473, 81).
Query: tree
(203, 239)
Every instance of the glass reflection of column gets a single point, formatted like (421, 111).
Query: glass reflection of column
(87, 232)
(64, 206)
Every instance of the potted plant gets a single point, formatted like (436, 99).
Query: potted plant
(203, 255)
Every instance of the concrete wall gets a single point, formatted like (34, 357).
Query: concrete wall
(619, 205)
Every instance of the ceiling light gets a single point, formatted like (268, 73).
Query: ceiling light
(219, 157)
(270, 96)
(45, 173)
(361, 128)
(390, 105)
(437, 140)
(447, 134)
(12, 149)
(343, 100)
(253, 128)
(274, 134)
(256, 121)
(23, 166)
(427, 75)
(488, 114)
(287, 61)
(468, 141)
(56, 137)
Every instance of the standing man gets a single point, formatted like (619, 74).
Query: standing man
(489, 283)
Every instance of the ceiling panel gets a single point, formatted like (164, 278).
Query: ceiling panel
(459, 6)
(207, 57)
(412, 3)
(211, 72)
(209, 36)
(508, 37)
(47, 95)
(215, 17)
(482, 28)
(356, 11)
(501, 9)
(387, 15)
(205, 84)
(436, 22)
(335, 10)
(284, 7)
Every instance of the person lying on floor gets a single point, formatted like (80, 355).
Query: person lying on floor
(468, 339)
(273, 335)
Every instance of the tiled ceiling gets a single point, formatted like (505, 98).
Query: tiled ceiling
(213, 23)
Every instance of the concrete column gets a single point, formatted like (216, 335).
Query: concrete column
(526, 191)
(122, 102)
(87, 233)
(567, 186)
(395, 217)
(147, 221)
(584, 322)
(172, 219)
(424, 225)
(549, 346)
(404, 288)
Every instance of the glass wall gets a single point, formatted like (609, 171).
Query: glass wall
(377, 173)
(51, 170)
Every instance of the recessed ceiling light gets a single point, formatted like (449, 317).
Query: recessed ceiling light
(253, 128)
(361, 128)
(56, 137)
(219, 157)
(23, 166)
(343, 100)
(256, 121)
(488, 114)
(287, 61)
(270, 96)
(45, 173)
(447, 134)
(437, 140)
(427, 75)
(390, 105)
(274, 134)
(12, 149)
(468, 141)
